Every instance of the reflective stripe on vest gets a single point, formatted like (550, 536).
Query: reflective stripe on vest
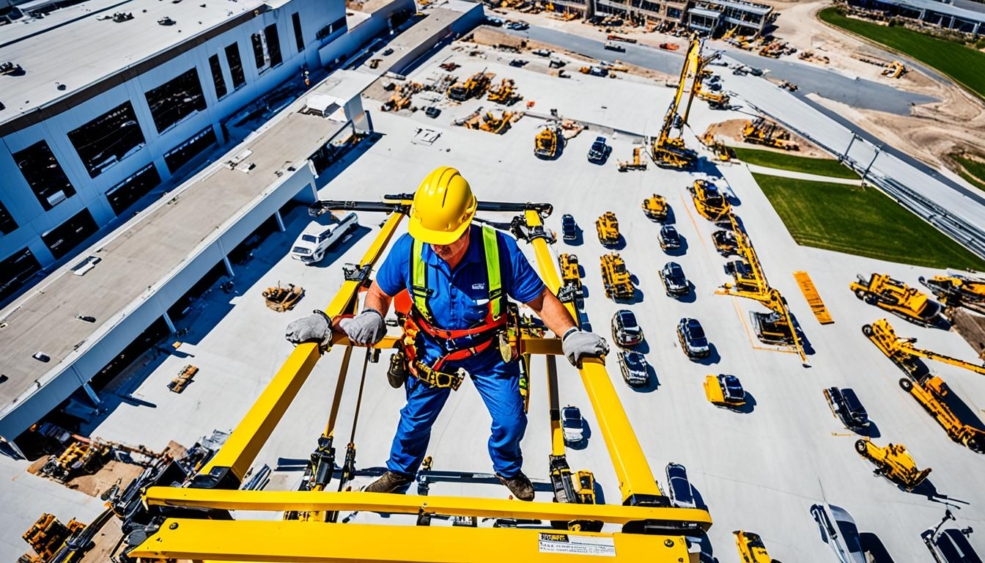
(418, 281)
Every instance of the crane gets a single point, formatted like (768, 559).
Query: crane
(902, 351)
(668, 149)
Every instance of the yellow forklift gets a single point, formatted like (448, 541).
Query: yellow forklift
(548, 142)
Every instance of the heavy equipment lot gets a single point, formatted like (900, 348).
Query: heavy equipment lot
(760, 469)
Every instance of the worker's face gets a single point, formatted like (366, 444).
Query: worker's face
(454, 251)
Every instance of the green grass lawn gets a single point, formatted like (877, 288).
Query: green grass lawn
(861, 221)
(963, 64)
(784, 161)
(974, 170)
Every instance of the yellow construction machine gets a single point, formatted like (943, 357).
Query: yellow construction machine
(668, 149)
(607, 227)
(184, 377)
(762, 131)
(777, 326)
(615, 277)
(402, 96)
(894, 69)
(548, 142)
(751, 548)
(656, 208)
(958, 291)
(903, 352)
(725, 243)
(48, 535)
(504, 93)
(473, 87)
(283, 299)
(570, 275)
(325, 517)
(491, 123)
(637, 163)
(723, 152)
(894, 463)
(710, 202)
(80, 457)
(932, 393)
(898, 298)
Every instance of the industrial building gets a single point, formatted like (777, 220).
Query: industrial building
(965, 16)
(704, 16)
(89, 127)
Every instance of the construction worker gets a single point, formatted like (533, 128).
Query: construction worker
(457, 276)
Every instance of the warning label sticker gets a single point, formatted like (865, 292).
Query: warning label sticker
(577, 545)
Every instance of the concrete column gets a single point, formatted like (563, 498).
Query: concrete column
(169, 322)
(229, 266)
(280, 221)
(92, 394)
(12, 446)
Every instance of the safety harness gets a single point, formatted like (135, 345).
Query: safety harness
(414, 311)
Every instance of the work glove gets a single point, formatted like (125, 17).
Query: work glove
(366, 328)
(577, 344)
(316, 327)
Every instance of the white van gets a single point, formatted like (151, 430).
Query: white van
(316, 238)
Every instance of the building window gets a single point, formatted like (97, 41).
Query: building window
(108, 139)
(217, 79)
(273, 44)
(175, 100)
(16, 270)
(258, 55)
(7, 223)
(330, 28)
(63, 238)
(188, 150)
(235, 65)
(127, 192)
(44, 174)
(298, 36)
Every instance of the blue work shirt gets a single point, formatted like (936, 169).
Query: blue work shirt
(459, 298)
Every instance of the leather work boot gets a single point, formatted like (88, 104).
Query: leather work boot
(519, 485)
(390, 482)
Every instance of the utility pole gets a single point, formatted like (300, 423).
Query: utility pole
(871, 162)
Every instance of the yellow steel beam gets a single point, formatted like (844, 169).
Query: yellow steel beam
(255, 428)
(632, 468)
(280, 501)
(288, 541)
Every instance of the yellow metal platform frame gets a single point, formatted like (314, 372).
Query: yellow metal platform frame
(813, 298)
(648, 528)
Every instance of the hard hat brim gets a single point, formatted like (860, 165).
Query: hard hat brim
(428, 236)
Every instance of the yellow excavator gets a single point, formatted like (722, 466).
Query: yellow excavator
(710, 202)
(903, 353)
(656, 208)
(761, 131)
(897, 298)
(474, 87)
(777, 326)
(751, 548)
(504, 93)
(931, 393)
(616, 278)
(958, 291)
(894, 463)
(548, 142)
(607, 227)
(668, 149)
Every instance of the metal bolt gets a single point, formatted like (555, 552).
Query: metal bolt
(174, 526)
(669, 543)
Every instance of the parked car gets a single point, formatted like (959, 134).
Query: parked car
(614, 46)
(572, 425)
(541, 52)
(495, 22)
(600, 151)
(633, 367)
(755, 71)
(675, 282)
(740, 71)
(678, 487)
(839, 531)
(518, 26)
(692, 338)
(518, 62)
(569, 229)
(846, 406)
(950, 546)
(316, 239)
(432, 112)
(625, 330)
(669, 238)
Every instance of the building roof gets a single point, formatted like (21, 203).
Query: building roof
(67, 53)
(962, 12)
(706, 13)
(750, 7)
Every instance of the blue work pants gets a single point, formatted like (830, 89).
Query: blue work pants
(500, 392)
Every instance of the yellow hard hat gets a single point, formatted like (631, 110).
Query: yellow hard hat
(443, 207)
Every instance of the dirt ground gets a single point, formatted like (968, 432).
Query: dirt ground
(731, 132)
(971, 327)
(930, 133)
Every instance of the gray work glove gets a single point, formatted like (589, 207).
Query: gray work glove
(316, 327)
(577, 344)
(366, 328)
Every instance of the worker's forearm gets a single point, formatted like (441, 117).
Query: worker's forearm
(376, 299)
(554, 314)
